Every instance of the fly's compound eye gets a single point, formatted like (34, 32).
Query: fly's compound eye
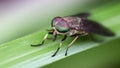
(60, 25)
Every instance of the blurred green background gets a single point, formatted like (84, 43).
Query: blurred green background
(30, 18)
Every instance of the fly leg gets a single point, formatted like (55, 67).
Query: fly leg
(59, 46)
(54, 36)
(71, 44)
(45, 38)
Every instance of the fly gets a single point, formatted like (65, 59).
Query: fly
(74, 26)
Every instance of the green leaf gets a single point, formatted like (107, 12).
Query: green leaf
(19, 54)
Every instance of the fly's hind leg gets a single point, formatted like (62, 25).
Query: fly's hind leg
(70, 45)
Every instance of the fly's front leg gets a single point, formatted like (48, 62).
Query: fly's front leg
(54, 36)
(45, 37)
(59, 46)
(71, 44)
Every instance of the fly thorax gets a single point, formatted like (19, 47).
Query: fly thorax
(74, 23)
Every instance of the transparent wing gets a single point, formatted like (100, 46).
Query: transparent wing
(94, 27)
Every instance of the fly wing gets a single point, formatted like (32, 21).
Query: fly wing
(81, 15)
(94, 27)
